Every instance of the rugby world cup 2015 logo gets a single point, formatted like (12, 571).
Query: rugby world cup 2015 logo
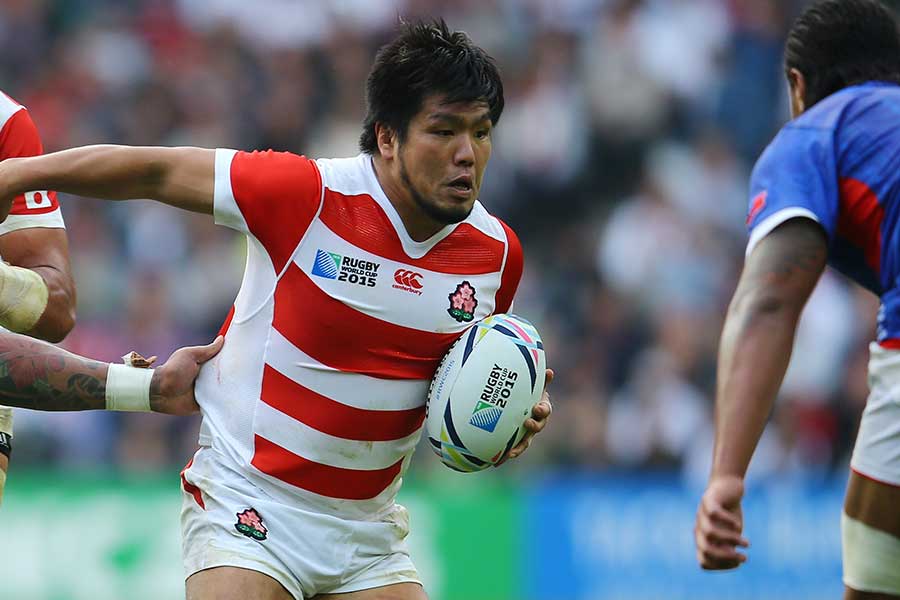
(486, 416)
(349, 269)
(495, 392)
(327, 264)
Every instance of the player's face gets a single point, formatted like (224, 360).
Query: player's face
(443, 157)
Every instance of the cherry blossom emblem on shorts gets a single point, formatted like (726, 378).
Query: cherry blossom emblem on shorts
(463, 302)
(250, 523)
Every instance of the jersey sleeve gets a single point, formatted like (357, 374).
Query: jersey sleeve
(19, 137)
(796, 176)
(512, 271)
(272, 196)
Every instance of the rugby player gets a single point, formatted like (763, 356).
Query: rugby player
(314, 406)
(37, 294)
(825, 191)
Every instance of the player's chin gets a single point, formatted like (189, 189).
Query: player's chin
(452, 211)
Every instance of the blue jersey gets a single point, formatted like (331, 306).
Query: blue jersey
(839, 164)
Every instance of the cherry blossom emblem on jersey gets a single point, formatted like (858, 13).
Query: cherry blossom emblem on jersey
(250, 523)
(463, 302)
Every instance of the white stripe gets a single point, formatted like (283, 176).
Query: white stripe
(325, 449)
(351, 389)
(53, 220)
(225, 208)
(424, 311)
(8, 108)
(767, 225)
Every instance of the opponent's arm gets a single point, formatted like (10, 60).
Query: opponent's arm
(754, 352)
(182, 177)
(40, 376)
(41, 306)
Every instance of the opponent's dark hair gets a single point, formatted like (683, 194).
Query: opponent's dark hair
(839, 43)
(426, 59)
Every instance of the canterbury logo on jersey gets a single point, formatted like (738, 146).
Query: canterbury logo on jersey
(408, 281)
(330, 265)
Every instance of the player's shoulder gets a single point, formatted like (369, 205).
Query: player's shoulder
(840, 108)
(8, 108)
(491, 226)
(349, 176)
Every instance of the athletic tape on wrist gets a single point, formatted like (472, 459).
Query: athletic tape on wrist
(128, 388)
(2, 484)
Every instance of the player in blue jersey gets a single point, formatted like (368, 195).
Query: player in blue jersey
(826, 190)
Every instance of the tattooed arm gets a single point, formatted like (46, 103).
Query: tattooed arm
(39, 376)
(754, 352)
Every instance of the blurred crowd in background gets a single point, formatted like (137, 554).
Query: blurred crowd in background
(622, 160)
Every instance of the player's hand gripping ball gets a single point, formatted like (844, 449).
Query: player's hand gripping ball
(483, 392)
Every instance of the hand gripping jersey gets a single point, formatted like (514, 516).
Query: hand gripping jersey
(340, 322)
(19, 137)
(839, 164)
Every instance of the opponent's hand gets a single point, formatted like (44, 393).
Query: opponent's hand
(172, 386)
(540, 415)
(720, 522)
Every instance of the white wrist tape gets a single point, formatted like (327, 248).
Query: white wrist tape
(2, 483)
(23, 298)
(6, 420)
(128, 388)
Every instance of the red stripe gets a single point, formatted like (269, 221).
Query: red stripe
(362, 222)
(512, 271)
(336, 419)
(890, 344)
(346, 339)
(190, 488)
(224, 329)
(870, 478)
(859, 219)
(325, 480)
(19, 137)
(278, 194)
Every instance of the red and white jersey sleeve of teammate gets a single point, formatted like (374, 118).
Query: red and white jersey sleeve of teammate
(341, 320)
(19, 137)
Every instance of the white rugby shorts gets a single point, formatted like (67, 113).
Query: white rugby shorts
(877, 451)
(226, 520)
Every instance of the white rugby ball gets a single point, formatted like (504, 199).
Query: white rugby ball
(483, 391)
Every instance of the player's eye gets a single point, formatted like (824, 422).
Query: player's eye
(444, 132)
(482, 134)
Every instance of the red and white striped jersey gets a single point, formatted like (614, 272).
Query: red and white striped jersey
(339, 325)
(19, 137)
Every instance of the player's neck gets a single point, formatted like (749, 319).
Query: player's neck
(419, 226)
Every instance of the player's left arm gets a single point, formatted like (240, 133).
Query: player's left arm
(43, 306)
(754, 352)
(512, 274)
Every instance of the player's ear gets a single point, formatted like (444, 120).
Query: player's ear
(386, 139)
(797, 84)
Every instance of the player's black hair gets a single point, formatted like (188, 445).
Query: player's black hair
(839, 43)
(424, 60)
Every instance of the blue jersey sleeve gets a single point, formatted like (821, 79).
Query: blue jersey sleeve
(796, 176)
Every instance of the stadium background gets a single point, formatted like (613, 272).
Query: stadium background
(622, 159)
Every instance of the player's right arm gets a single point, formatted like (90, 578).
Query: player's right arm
(181, 177)
(754, 352)
(792, 220)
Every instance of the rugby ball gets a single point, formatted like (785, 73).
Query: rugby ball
(483, 391)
